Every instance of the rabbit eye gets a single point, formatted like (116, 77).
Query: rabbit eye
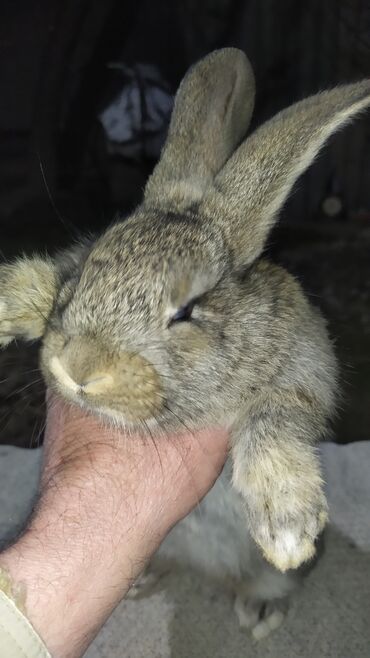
(183, 314)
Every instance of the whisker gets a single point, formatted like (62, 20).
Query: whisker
(183, 424)
(67, 225)
(179, 452)
(37, 309)
(40, 432)
(23, 388)
(155, 445)
(30, 372)
(5, 417)
(180, 420)
(9, 413)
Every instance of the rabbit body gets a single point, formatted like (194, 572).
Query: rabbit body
(172, 319)
(214, 542)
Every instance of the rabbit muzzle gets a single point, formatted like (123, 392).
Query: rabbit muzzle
(84, 371)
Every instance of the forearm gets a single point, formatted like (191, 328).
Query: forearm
(107, 501)
(83, 548)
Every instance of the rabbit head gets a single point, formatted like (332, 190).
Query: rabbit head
(120, 329)
(145, 327)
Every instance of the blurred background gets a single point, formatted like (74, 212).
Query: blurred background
(86, 95)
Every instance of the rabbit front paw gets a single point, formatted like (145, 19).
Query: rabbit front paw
(5, 325)
(286, 524)
(26, 297)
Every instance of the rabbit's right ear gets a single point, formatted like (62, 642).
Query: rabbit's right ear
(253, 185)
(212, 110)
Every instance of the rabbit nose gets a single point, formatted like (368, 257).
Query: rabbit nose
(97, 384)
(116, 381)
(83, 366)
(94, 384)
(61, 375)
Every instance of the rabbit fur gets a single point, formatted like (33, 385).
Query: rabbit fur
(173, 318)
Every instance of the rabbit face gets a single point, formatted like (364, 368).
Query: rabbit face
(137, 331)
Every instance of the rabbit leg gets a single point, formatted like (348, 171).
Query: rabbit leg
(273, 614)
(27, 292)
(247, 612)
(277, 471)
(262, 600)
(260, 617)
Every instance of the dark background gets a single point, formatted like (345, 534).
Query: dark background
(60, 176)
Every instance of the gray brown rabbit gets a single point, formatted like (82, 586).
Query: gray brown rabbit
(173, 318)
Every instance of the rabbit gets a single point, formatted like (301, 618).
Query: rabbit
(173, 317)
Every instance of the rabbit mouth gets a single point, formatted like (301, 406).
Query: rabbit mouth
(122, 384)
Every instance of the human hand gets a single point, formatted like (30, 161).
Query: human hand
(107, 500)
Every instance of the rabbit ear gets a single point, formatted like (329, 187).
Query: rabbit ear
(255, 182)
(211, 114)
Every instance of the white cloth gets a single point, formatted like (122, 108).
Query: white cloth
(18, 639)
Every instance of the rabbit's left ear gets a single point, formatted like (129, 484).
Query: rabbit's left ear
(212, 110)
(254, 183)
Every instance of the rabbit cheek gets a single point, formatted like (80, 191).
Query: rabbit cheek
(138, 391)
(191, 340)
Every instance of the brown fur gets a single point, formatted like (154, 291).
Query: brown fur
(256, 355)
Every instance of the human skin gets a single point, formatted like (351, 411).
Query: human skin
(106, 502)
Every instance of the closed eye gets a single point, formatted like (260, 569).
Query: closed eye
(183, 314)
